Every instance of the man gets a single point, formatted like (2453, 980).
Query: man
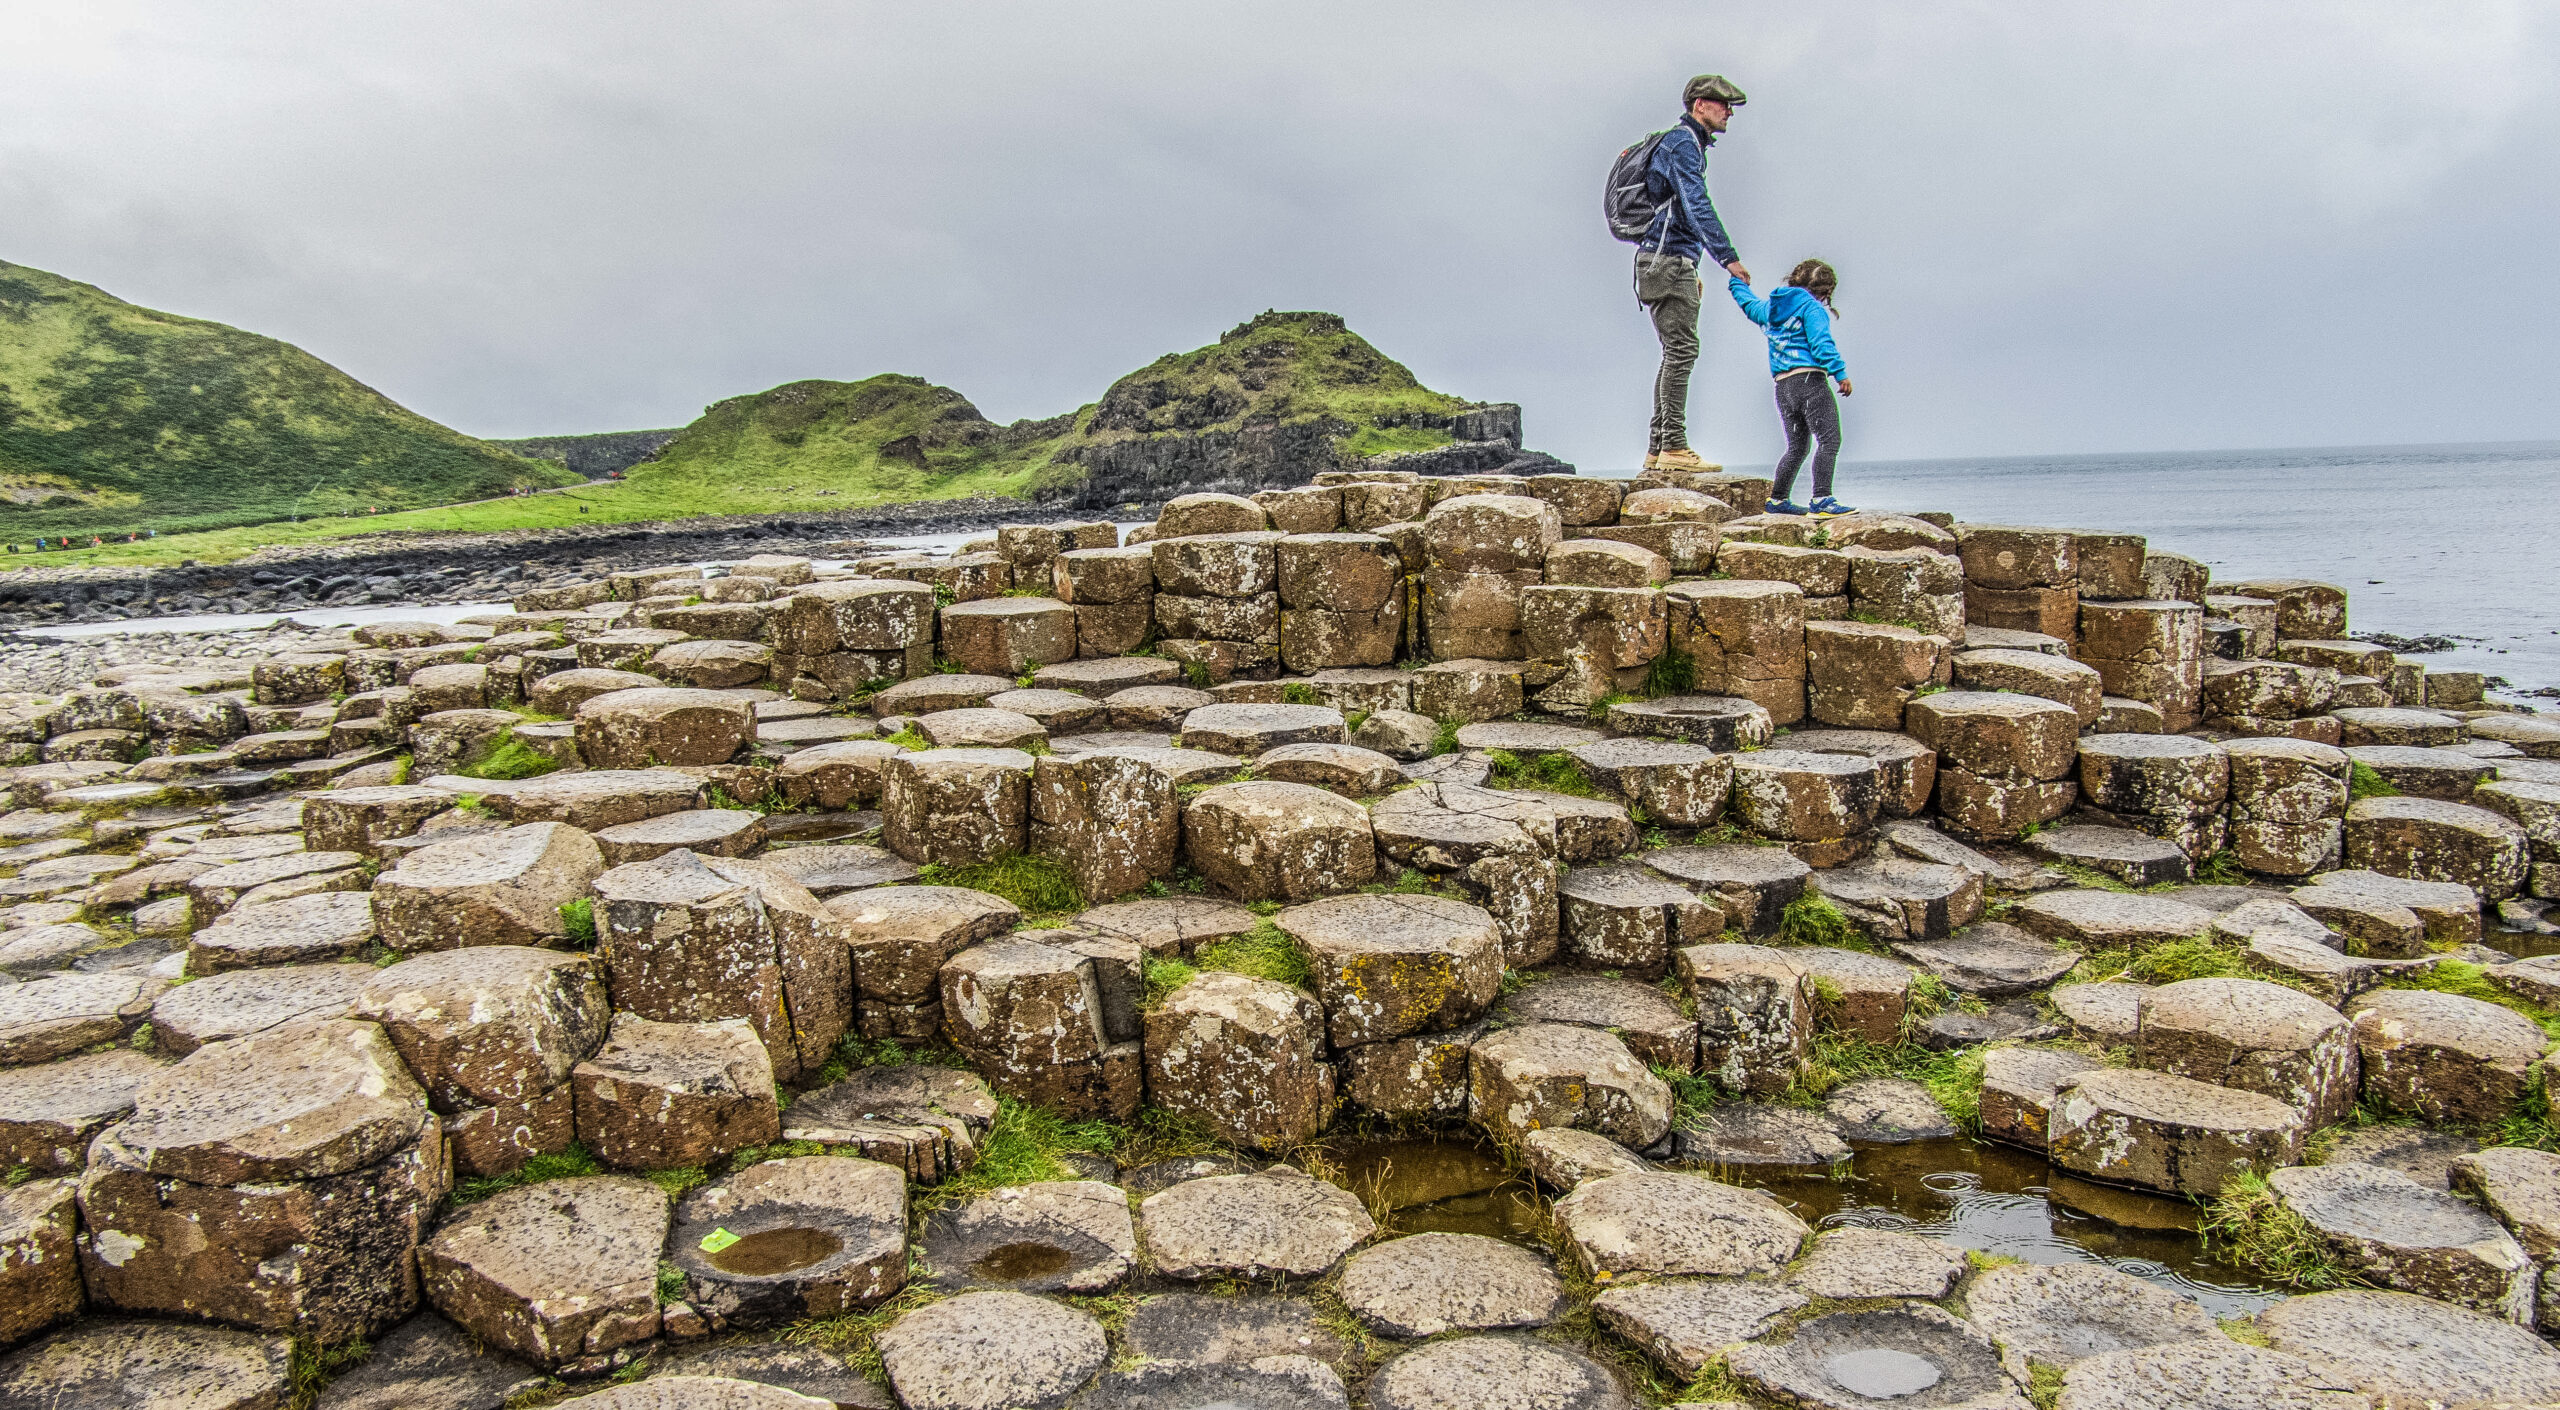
(1667, 282)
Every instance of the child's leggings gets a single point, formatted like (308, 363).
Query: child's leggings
(1812, 419)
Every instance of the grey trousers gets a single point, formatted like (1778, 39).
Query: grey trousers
(1811, 417)
(1669, 289)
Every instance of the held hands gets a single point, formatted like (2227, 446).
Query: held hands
(1737, 271)
(1844, 386)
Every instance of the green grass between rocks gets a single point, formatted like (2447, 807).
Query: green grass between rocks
(1550, 773)
(1040, 886)
(2258, 1233)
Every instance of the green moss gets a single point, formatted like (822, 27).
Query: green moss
(1196, 675)
(2472, 982)
(1298, 693)
(2044, 1386)
(559, 1165)
(2364, 782)
(1352, 722)
(908, 738)
(1953, 1079)
(1811, 919)
(1026, 1145)
(670, 1283)
(2222, 869)
(2252, 1230)
(312, 1365)
(511, 758)
(676, 1180)
(1445, 741)
(1163, 976)
(1674, 672)
(580, 916)
(1551, 773)
(1040, 886)
(1264, 952)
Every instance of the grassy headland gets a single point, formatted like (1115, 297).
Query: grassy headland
(815, 445)
(115, 418)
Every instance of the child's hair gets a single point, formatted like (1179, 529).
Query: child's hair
(1815, 277)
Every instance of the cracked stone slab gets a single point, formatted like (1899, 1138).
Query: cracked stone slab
(1868, 1263)
(1993, 959)
(2062, 1313)
(2414, 1348)
(1683, 1324)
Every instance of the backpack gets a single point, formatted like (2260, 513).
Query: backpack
(1628, 207)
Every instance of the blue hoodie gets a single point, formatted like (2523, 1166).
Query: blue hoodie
(1799, 329)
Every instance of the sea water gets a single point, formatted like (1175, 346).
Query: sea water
(2460, 540)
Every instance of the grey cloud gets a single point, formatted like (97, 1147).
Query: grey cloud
(2148, 226)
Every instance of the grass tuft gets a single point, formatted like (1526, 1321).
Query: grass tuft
(1163, 976)
(312, 1366)
(511, 758)
(1039, 885)
(580, 916)
(1298, 693)
(2364, 781)
(1551, 773)
(2261, 1234)
(676, 1180)
(1674, 672)
(1953, 1079)
(1445, 741)
(560, 1165)
(1811, 919)
(1264, 952)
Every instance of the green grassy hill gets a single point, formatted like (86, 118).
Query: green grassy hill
(115, 418)
(1281, 369)
(819, 445)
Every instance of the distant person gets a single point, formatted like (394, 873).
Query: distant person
(1657, 198)
(1805, 362)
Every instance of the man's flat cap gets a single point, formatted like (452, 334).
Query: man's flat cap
(1712, 85)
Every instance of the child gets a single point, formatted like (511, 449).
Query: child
(1803, 359)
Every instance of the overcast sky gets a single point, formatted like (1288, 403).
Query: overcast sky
(2060, 228)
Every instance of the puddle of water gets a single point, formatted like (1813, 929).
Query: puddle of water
(1974, 1195)
(776, 1251)
(1880, 1373)
(1979, 1195)
(1016, 1263)
(1445, 1185)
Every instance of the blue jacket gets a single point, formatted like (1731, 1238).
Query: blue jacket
(1676, 178)
(1799, 329)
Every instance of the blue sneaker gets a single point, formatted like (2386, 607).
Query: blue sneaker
(1829, 508)
(1782, 506)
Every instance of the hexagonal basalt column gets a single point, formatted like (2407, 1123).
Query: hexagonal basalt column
(1244, 1055)
(659, 1096)
(1278, 841)
(1541, 1076)
(280, 1181)
(1799, 797)
(1004, 636)
(500, 888)
(2128, 1126)
(492, 1033)
(956, 806)
(1386, 966)
(692, 939)
(1754, 1012)
(2253, 1036)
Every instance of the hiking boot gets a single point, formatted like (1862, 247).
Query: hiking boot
(1680, 458)
(1829, 508)
(1782, 506)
